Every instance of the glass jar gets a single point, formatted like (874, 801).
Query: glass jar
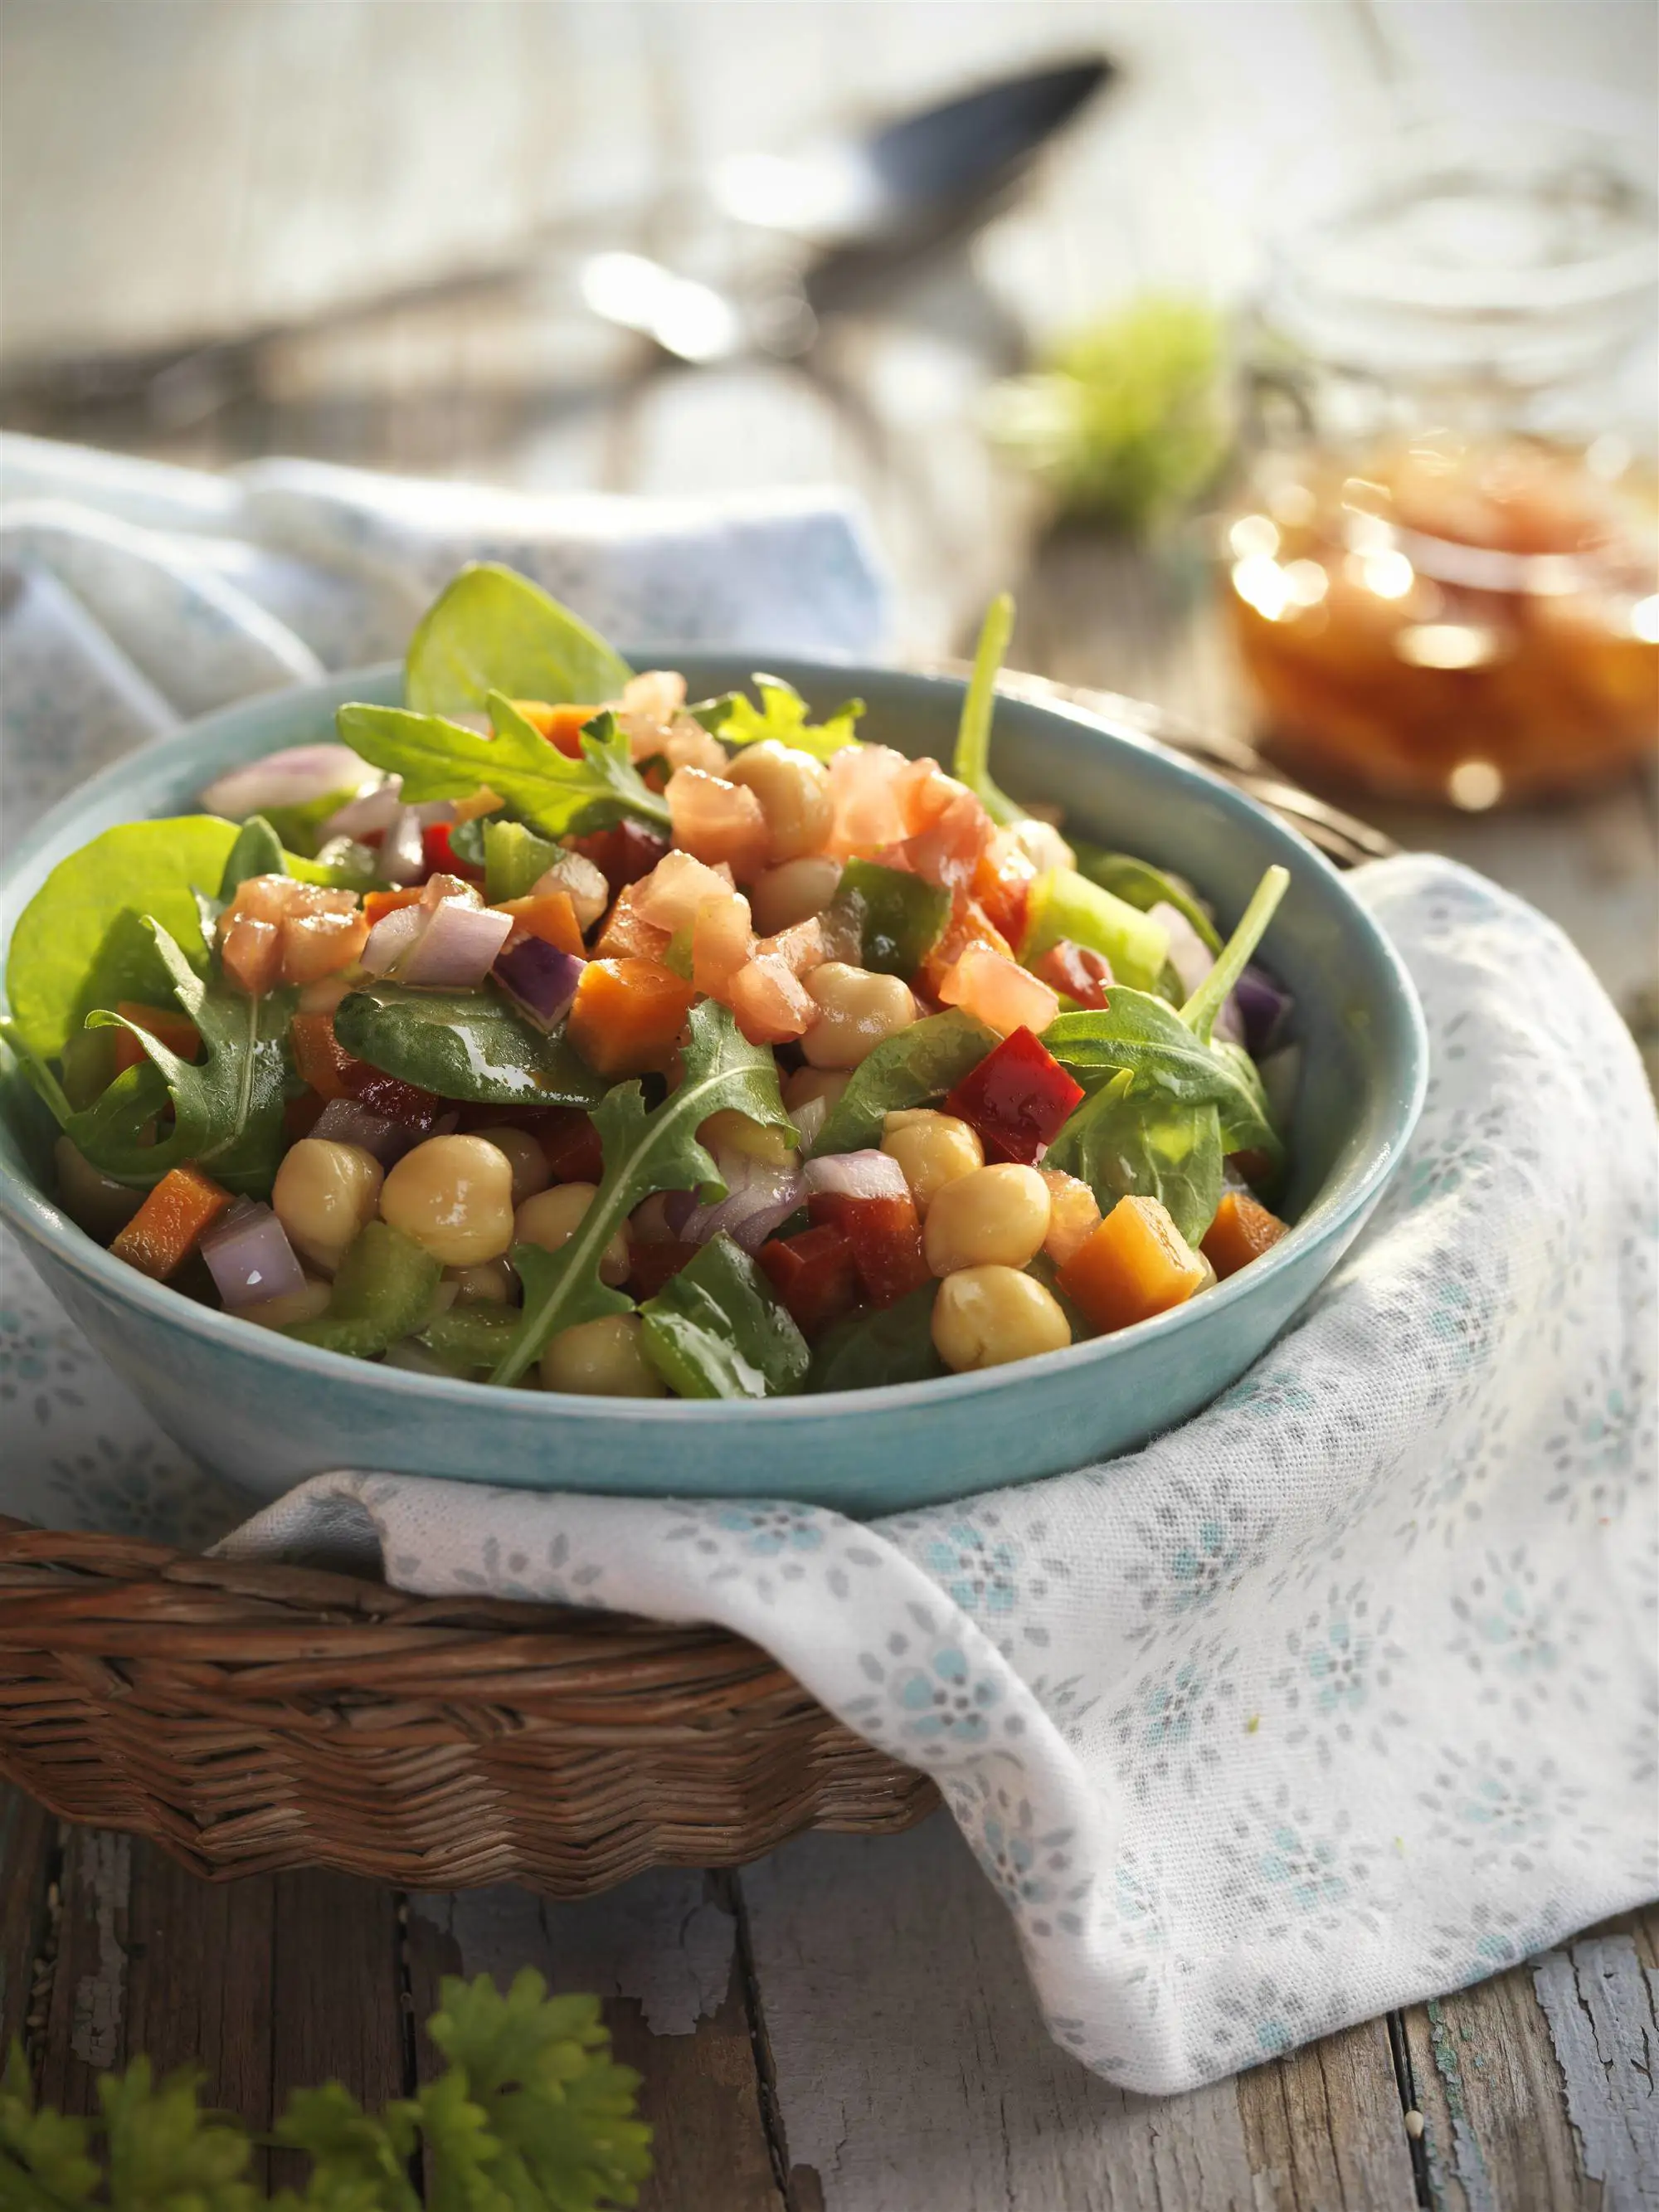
(1441, 563)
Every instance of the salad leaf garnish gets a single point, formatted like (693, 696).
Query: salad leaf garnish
(1139, 883)
(257, 851)
(1140, 1036)
(494, 630)
(893, 1344)
(972, 765)
(645, 1150)
(227, 1106)
(555, 794)
(1200, 1010)
(383, 1289)
(1130, 1141)
(914, 1068)
(782, 716)
(716, 1330)
(464, 1044)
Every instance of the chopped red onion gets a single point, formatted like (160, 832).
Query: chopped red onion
(402, 855)
(345, 1121)
(582, 884)
(1263, 1008)
(285, 779)
(539, 979)
(457, 947)
(250, 1257)
(758, 1199)
(393, 936)
(857, 1175)
(677, 1208)
(367, 814)
(809, 1120)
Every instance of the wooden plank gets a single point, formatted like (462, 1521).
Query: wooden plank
(86, 2018)
(198, 1984)
(1536, 2088)
(1324, 2128)
(662, 1953)
(29, 1844)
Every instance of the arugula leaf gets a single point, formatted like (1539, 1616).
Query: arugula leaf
(893, 1344)
(227, 1106)
(1137, 1034)
(972, 765)
(257, 851)
(913, 1068)
(464, 1044)
(81, 941)
(782, 715)
(1132, 1139)
(645, 1151)
(36, 1073)
(716, 1330)
(1200, 1010)
(555, 794)
(383, 1289)
(491, 630)
(1139, 883)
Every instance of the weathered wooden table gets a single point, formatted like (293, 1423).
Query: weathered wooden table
(846, 2025)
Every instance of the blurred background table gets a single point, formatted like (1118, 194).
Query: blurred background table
(172, 172)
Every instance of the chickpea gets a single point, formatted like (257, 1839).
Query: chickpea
(933, 1149)
(454, 1195)
(93, 1199)
(807, 1083)
(730, 1131)
(985, 1317)
(857, 1011)
(492, 1283)
(794, 892)
(552, 1218)
(603, 1358)
(525, 1157)
(991, 1216)
(794, 793)
(324, 1194)
(309, 1303)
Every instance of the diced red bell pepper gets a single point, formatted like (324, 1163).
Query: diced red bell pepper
(572, 1145)
(1018, 1099)
(885, 1237)
(623, 855)
(815, 1276)
(651, 1266)
(440, 857)
(1077, 970)
(300, 1115)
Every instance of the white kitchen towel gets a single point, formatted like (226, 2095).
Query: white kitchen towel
(134, 595)
(1340, 1696)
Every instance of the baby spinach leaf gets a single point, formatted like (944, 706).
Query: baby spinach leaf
(900, 917)
(1137, 1034)
(893, 1345)
(782, 715)
(555, 794)
(82, 943)
(492, 630)
(464, 1044)
(972, 765)
(1133, 1139)
(914, 1068)
(716, 1330)
(645, 1150)
(383, 1291)
(228, 1105)
(257, 851)
(1139, 883)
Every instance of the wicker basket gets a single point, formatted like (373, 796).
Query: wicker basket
(252, 1717)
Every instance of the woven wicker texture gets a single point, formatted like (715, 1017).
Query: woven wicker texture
(253, 1717)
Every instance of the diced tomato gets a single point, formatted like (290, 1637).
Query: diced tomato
(440, 857)
(166, 1023)
(677, 887)
(549, 915)
(1078, 971)
(814, 1274)
(626, 935)
(949, 829)
(168, 1226)
(715, 821)
(1074, 1215)
(651, 1266)
(377, 904)
(319, 945)
(571, 1145)
(623, 855)
(1018, 1099)
(1002, 881)
(627, 1016)
(885, 1236)
(1001, 993)
(720, 942)
(867, 791)
(970, 924)
(771, 1004)
(562, 726)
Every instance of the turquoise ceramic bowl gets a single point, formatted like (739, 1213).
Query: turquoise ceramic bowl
(265, 1412)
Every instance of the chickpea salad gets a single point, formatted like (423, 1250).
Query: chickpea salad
(552, 1031)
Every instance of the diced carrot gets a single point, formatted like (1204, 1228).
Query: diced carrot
(626, 935)
(627, 1015)
(319, 1059)
(551, 916)
(173, 1029)
(1004, 995)
(377, 904)
(1136, 1264)
(168, 1227)
(561, 725)
(1242, 1231)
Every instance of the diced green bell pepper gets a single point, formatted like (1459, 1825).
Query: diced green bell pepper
(901, 918)
(383, 1289)
(1065, 904)
(472, 1336)
(716, 1330)
(514, 860)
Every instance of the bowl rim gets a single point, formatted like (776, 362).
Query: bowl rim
(32, 1215)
